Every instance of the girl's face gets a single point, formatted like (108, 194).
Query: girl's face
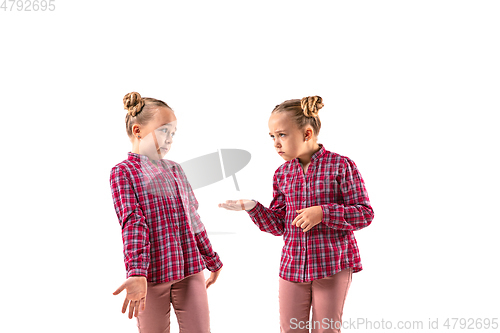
(156, 136)
(288, 138)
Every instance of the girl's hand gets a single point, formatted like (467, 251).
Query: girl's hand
(137, 287)
(308, 217)
(238, 204)
(213, 277)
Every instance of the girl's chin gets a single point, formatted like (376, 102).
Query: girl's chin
(162, 152)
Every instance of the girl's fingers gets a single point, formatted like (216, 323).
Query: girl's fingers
(131, 309)
(298, 221)
(125, 303)
(230, 206)
(143, 304)
(136, 309)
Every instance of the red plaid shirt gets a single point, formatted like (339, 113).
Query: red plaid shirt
(333, 182)
(163, 237)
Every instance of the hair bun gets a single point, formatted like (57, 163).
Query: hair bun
(311, 105)
(133, 103)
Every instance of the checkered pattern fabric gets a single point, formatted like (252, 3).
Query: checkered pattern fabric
(333, 182)
(163, 237)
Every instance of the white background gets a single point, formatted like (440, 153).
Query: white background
(411, 93)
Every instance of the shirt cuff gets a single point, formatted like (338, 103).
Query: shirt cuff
(214, 263)
(333, 216)
(137, 271)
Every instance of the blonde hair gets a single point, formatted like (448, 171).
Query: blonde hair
(303, 111)
(140, 110)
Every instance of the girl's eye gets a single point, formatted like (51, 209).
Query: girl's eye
(282, 135)
(165, 130)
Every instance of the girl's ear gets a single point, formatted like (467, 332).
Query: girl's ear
(308, 134)
(135, 129)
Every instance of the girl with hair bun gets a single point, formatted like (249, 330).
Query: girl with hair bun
(319, 199)
(165, 245)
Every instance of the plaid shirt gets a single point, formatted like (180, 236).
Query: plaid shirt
(333, 182)
(163, 237)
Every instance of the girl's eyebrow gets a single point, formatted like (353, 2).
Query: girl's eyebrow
(278, 131)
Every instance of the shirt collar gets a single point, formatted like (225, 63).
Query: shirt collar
(316, 155)
(320, 152)
(137, 157)
(143, 159)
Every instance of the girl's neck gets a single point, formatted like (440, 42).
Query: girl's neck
(136, 151)
(305, 158)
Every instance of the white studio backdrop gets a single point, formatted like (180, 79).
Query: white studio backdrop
(411, 95)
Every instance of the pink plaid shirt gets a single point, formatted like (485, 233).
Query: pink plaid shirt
(163, 237)
(333, 182)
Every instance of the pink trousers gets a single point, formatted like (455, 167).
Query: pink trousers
(189, 300)
(326, 296)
